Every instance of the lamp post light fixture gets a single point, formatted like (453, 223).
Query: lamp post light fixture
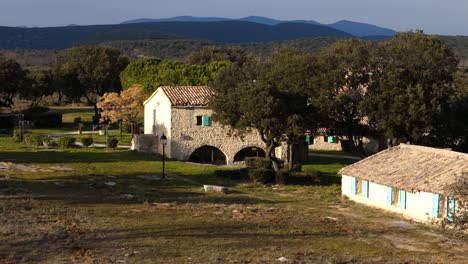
(163, 140)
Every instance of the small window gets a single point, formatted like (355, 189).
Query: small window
(199, 120)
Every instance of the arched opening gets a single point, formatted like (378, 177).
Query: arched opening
(208, 155)
(249, 152)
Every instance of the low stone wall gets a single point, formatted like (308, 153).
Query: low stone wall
(145, 143)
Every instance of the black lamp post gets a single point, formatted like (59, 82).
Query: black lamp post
(163, 140)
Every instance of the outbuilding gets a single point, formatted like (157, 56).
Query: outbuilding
(421, 183)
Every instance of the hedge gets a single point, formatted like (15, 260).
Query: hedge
(262, 176)
(66, 142)
(257, 163)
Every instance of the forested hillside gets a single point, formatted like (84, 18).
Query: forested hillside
(223, 32)
(180, 49)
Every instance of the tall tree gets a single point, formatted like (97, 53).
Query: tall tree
(266, 97)
(152, 73)
(13, 81)
(40, 85)
(345, 75)
(414, 84)
(94, 70)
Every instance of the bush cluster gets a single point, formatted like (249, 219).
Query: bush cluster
(87, 141)
(262, 175)
(33, 140)
(66, 142)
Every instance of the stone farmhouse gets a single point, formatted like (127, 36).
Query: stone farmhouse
(181, 113)
(415, 181)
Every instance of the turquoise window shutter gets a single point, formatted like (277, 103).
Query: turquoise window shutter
(389, 195)
(450, 209)
(353, 186)
(402, 199)
(435, 205)
(365, 188)
(206, 120)
(331, 139)
(307, 139)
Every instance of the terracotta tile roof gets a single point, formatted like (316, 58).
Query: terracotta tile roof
(412, 168)
(188, 95)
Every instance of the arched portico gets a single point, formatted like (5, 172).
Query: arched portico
(208, 155)
(250, 151)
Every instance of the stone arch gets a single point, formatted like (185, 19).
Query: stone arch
(207, 154)
(249, 151)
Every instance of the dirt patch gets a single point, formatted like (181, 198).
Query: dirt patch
(407, 243)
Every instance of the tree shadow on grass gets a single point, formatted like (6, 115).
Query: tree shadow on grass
(151, 239)
(67, 156)
(126, 189)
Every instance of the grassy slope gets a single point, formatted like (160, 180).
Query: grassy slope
(74, 216)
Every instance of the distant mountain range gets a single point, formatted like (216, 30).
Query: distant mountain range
(354, 28)
(213, 29)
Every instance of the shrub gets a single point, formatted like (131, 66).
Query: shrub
(66, 142)
(262, 176)
(257, 163)
(113, 142)
(87, 141)
(282, 177)
(17, 135)
(241, 174)
(34, 140)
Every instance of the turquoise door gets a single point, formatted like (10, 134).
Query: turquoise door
(353, 186)
(435, 205)
(450, 209)
(402, 199)
(365, 189)
(389, 195)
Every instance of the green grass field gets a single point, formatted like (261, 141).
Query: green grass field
(108, 209)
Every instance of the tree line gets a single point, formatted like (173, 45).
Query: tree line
(407, 88)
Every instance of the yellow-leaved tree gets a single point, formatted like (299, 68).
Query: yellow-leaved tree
(126, 107)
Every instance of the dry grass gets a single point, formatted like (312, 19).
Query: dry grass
(75, 217)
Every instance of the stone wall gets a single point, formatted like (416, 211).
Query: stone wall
(187, 136)
(370, 145)
(320, 144)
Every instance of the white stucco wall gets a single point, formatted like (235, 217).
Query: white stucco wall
(418, 205)
(159, 102)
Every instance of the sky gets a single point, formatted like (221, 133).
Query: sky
(445, 17)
